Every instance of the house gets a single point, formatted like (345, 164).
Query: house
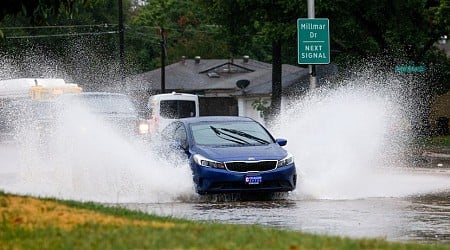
(215, 81)
(440, 110)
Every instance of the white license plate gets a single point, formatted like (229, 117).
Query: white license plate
(253, 180)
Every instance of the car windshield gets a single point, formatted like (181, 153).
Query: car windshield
(230, 133)
(109, 104)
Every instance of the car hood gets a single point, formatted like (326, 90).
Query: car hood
(241, 153)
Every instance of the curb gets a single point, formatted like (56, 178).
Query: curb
(436, 157)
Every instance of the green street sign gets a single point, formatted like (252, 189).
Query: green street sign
(410, 69)
(313, 41)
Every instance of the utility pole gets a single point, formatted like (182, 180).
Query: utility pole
(163, 60)
(312, 67)
(121, 44)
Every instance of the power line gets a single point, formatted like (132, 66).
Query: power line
(132, 29)
(62, 35)
(106, 25)
(109, 25)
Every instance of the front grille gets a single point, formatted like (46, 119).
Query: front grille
(244, 166)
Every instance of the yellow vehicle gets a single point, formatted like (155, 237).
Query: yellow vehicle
(44, 93)
(36, 88)
(28, 99)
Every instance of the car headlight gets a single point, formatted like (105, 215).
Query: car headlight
(143, 127)
(285, 161)
(200, 160)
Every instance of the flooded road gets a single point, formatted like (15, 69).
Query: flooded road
(416, 208)
(424, 218)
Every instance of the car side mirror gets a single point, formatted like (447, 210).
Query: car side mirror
(180, 144)
(184, 145)
(281, 142)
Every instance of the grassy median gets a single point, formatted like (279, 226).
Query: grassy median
(440, 141)
(33, 223)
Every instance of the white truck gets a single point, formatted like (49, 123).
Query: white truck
(164, 108)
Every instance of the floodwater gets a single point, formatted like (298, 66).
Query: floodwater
(424, 218)
(350, 146)
(418, 216)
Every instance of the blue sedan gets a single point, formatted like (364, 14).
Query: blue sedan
(230, 154)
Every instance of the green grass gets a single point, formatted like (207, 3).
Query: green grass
(183, 234)
(440, 141)
(433, 142)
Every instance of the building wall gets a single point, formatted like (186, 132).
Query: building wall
(218, 106)
(440, 108)
(246, 109)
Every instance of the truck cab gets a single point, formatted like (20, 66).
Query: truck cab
(164, 108)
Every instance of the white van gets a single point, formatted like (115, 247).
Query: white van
(164, 108)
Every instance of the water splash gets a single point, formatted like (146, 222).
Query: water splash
(351, 142)
(85, 159)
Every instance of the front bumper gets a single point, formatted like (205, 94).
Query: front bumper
(212, 180)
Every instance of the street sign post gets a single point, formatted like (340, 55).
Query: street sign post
(313, 41)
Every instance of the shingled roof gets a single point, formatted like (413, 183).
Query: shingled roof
(210, 75)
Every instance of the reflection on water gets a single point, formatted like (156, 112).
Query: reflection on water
(432, 214)
(417, 218)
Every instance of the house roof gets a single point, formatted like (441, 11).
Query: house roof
(216, 75)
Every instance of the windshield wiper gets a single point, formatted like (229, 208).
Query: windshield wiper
(230, 137)
(246, 135)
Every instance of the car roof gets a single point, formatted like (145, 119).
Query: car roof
(191, 120)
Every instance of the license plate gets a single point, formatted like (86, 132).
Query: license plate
(253, 180)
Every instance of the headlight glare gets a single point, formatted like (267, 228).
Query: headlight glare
(143, 128)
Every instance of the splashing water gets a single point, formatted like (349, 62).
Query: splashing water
(85, 159)
(351, 142)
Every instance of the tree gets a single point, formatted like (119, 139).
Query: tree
(187, 32)
(271, 21)
(81, 46)
(401, 28)
(397, 32)
(37, 10)
(394, 33)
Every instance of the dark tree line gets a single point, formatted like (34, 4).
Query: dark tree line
(400, 32)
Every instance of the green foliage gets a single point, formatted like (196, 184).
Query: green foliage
(82, 40)
(398, 31)
(39, 12)
(185, 29)
(250, 26)
(440, 141)
(262, 105)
